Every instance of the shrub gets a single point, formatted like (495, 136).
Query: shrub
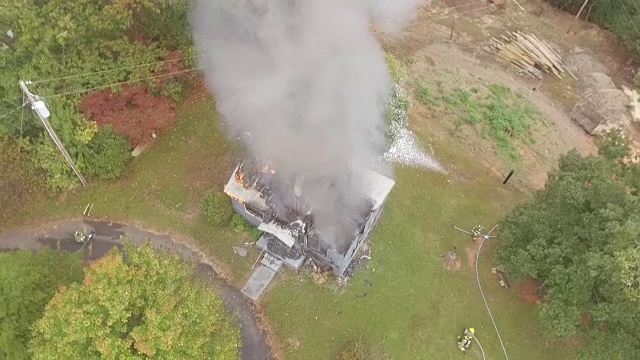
(134, 111)
(108, 154)
(360, 349)
(240, 224)
(216, 208)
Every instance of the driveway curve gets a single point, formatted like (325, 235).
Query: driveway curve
(108, 235)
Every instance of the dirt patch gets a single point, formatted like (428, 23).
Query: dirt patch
(430, 52)
(472, 251)
(529, 290)
(451, 261)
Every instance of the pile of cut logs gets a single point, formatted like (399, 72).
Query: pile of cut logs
(529, 54)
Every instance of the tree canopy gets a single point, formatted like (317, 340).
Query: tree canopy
(68, 46)
(580, 238)
(136, 305)
(28, 280)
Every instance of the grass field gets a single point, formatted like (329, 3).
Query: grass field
(414, 309)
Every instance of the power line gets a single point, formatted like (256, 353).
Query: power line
(122, 83)
(12, 111)
(113, 70)
(629, 16)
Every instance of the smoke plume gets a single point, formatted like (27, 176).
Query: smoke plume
(308, 81)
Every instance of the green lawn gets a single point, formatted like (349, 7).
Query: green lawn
(414, 310)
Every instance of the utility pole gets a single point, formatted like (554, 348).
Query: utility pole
(41, 110)
(578, 15)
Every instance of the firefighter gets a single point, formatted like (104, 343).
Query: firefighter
(464, 341)
(79, 237)
(477, 231)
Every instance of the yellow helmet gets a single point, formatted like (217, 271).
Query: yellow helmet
(472, 330)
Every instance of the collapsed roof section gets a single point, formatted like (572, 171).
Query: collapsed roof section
(275, 204)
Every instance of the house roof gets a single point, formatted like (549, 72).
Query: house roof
(377, 187)
(239, 192)
(278, 231)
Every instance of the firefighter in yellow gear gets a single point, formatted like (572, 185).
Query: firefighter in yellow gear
(464, 341)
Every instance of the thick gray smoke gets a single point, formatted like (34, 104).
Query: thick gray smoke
(307, 79)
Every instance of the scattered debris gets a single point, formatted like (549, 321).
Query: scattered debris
(320, 276)
(528, 53)
(87, 210)
(138, 150)
(240, 251)
(341, 281)
(602, 106)
(502, 276)
(451, 261)
(368, 283)
(634, 104)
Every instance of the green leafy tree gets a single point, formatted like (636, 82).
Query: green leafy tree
(108, 154)
(142, 304)
(580, 238)
(64, 40)
(28, 280)
(216, 208)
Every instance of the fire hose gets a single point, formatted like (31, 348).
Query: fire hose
(481, 349)
(487, 304)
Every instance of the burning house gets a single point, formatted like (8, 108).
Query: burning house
(276, 204)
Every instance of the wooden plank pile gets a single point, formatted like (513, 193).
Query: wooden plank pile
(529, 54)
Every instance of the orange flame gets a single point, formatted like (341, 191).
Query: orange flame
(240, 176)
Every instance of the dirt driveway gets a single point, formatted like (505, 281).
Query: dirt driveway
(108, 234)
(444, 49)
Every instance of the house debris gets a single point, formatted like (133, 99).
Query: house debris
(289, 233)
(603, 106)
(529, 54)
(242, 252)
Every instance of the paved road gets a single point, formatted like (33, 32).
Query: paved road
(60, 235)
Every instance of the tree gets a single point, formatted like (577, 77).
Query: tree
(108, 154)
(136, 305)
(28, 280)
(579, 237)
(77, 44)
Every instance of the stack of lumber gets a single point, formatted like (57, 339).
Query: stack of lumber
(528, 53)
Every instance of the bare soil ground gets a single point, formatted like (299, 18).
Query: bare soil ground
(529, 290)
(435, 54)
